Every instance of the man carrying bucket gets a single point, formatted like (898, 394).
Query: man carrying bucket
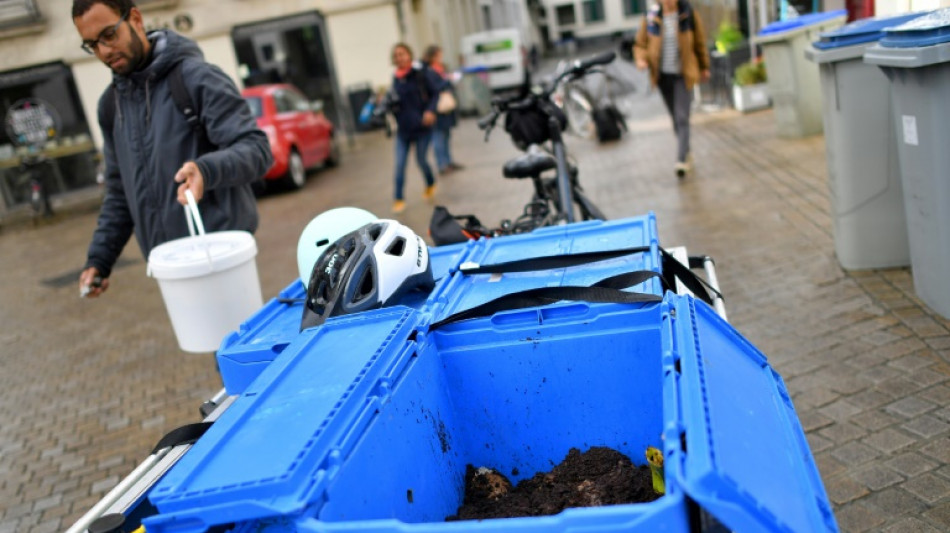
(153, 152)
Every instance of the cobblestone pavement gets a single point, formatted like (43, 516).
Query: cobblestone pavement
(89, 386)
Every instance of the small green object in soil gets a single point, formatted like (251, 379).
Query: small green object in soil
(599, 476)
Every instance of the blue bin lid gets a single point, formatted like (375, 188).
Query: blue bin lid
(289, 427)
(928, 30)
(862, 31)
(739, 449)
(801, 21)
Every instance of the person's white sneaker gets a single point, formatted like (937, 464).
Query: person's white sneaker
(681, 169)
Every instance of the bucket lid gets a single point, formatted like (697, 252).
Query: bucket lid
(930, 29)
(801, 21)
(862, 31)
(743, 457)
(191, 257)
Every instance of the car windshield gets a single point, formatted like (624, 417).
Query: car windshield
(257, 107)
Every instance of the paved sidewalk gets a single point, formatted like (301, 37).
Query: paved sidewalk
(90, 386)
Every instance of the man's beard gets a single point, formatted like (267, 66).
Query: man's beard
(135, 59)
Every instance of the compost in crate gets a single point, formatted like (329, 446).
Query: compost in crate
(594, 478)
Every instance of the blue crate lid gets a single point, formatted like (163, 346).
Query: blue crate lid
(245, 352)
(746, 459)
(930, 29)
(274, 449)
(861, 31)
(801, 21)
(466, 292)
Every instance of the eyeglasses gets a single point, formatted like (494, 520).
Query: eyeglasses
(108, 37)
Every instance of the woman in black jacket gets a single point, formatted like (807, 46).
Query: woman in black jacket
(416, 90)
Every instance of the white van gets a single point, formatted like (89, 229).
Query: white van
(501, 52)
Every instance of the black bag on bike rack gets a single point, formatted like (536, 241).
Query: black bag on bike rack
(445, 228)
(607, 123)
(530, 125)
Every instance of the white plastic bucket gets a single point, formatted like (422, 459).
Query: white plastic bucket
(209, 282)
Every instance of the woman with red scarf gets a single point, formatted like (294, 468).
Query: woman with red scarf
(416, 89)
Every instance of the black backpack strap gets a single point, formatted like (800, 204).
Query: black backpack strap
(607, 290)
(176, 84)
(186, 434)
(108, 108)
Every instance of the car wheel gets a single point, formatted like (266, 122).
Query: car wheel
(296, 173)
(333, 158)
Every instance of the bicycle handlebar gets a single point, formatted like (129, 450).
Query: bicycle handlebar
(500, 105)
(601, 59)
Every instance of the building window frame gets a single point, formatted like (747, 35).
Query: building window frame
(593, 11)
(633, 8)
(565, 15)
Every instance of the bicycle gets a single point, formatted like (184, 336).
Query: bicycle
(592, 104)
(32, 176)
(532, 119)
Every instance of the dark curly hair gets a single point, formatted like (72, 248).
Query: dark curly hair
(121, 7)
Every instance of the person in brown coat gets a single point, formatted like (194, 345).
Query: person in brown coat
(672, 44)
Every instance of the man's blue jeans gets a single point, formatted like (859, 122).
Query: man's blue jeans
(402, 155)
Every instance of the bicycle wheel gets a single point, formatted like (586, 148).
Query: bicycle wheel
(589, 211)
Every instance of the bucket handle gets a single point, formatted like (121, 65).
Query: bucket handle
(193, 216)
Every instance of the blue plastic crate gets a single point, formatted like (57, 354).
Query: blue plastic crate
(246, 352)
(367, 424)
(468, 291)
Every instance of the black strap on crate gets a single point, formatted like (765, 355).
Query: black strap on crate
(673, 270)
(187, 434)
(608, 290)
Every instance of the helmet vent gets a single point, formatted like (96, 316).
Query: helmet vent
(366, 284)
(397, 247)
(323, 242)
(375, 231)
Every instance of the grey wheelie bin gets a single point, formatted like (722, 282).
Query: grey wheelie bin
(793, 81)
(916, 59)
(867, 202)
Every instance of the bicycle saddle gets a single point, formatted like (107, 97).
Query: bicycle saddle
(529, 165)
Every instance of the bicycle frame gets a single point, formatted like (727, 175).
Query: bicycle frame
(542, 101)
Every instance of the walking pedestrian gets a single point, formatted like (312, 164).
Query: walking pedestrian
(672, 44)
(445, 119)
(152, 151)
(415, 90)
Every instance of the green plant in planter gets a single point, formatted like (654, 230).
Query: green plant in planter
(750, 73)
(728, 38)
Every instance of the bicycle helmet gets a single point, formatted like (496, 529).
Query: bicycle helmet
(365, 269)
(323, 231)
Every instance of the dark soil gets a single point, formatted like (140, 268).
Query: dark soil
(599, 476)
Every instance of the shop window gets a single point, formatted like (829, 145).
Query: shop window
(42, 116)
(299, 56)
(593, 11)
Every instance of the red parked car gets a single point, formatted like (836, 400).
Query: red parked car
(300, 135)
